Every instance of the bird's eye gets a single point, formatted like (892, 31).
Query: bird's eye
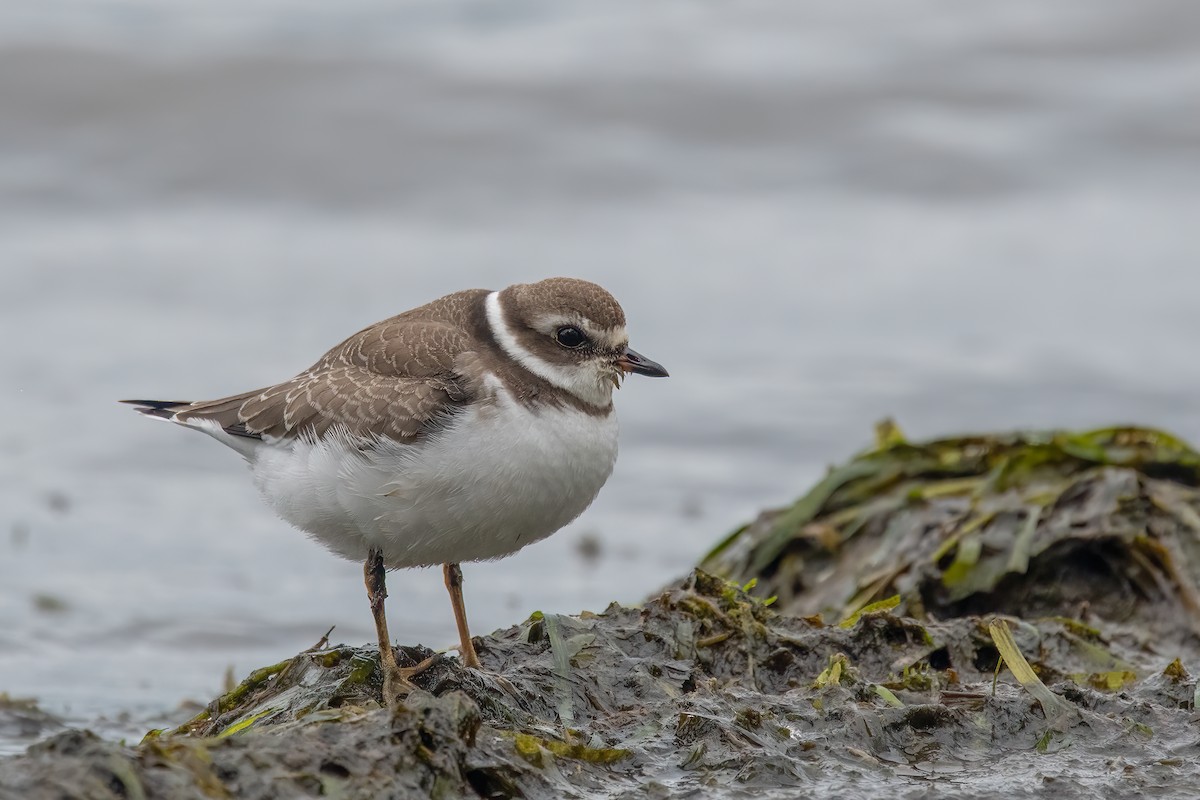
(570, 336)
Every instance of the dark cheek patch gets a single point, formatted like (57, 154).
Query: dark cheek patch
(539, 344)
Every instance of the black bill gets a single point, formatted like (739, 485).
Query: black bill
(637, 363)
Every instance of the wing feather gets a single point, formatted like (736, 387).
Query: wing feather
(395, 380)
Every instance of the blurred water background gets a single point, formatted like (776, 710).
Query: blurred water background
(967, 216)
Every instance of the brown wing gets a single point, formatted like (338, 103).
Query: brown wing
(396, 380)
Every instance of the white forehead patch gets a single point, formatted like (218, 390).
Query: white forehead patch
(608, 338)
(582, 380)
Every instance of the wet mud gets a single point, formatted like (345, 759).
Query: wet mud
(982, 617)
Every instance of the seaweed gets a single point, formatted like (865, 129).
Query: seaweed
(1068, 558)
(976, 524)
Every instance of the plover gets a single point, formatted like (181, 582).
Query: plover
(462, 430)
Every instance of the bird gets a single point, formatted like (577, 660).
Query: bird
(461, 430)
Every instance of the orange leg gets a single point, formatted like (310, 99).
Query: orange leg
(397, 681)
(454, 581)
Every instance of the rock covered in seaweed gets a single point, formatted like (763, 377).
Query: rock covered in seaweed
(705, 689)
(711, 690)
(1103, 525)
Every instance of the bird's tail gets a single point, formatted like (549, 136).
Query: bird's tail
(163, 409)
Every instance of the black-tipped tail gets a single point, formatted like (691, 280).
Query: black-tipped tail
(164, 409)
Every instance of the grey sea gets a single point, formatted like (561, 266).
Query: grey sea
(964, 216)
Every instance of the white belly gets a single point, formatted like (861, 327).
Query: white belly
(497, 479)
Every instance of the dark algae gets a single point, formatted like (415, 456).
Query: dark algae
(988, 616)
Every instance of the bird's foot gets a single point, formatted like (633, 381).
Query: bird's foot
(470, 659)
(398, 681)
(396, 687)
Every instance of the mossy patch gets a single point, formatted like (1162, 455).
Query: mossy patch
(999, 595)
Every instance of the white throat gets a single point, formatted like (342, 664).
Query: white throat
(584, 383)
